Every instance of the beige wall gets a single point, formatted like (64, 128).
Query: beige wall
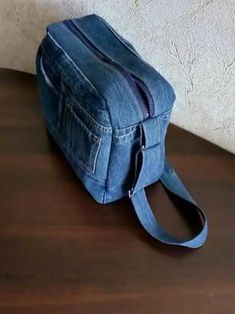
(191, 42)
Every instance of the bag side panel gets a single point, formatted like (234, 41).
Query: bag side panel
(84, 141)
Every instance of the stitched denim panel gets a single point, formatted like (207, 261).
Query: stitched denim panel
(82, 88)
(85, 139)
(81, 143)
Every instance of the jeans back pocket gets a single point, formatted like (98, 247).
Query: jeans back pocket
(80, 142)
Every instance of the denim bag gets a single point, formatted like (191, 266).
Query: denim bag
(108, 111)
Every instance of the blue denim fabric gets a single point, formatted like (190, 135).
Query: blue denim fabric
(108, 111)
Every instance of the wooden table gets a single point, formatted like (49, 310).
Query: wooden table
(60, 252)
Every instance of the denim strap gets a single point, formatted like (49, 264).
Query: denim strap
(174, 186)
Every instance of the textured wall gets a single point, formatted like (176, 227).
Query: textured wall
(191, 42)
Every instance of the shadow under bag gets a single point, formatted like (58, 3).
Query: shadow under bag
(108, 110)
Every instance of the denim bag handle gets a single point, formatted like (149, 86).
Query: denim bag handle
(171, 182)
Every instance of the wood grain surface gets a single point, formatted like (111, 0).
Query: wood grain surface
(61, 252)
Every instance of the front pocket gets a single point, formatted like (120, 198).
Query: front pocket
(81, 144)
(51, 76)
(49, 88)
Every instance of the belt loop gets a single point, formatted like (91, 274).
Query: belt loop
(139, 154)
(151, 130)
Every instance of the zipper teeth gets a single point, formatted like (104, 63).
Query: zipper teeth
(133, 85)
(144, 87)
(75, 29)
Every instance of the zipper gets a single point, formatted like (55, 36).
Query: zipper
(138, 87)
(143, 88)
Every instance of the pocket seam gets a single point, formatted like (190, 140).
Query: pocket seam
(94, 160)
(78, 120)
(90, 165)
(104, 128)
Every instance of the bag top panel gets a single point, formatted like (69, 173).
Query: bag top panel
(132, 88)
(123, 52)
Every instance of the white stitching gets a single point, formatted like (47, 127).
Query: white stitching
(96, 155)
